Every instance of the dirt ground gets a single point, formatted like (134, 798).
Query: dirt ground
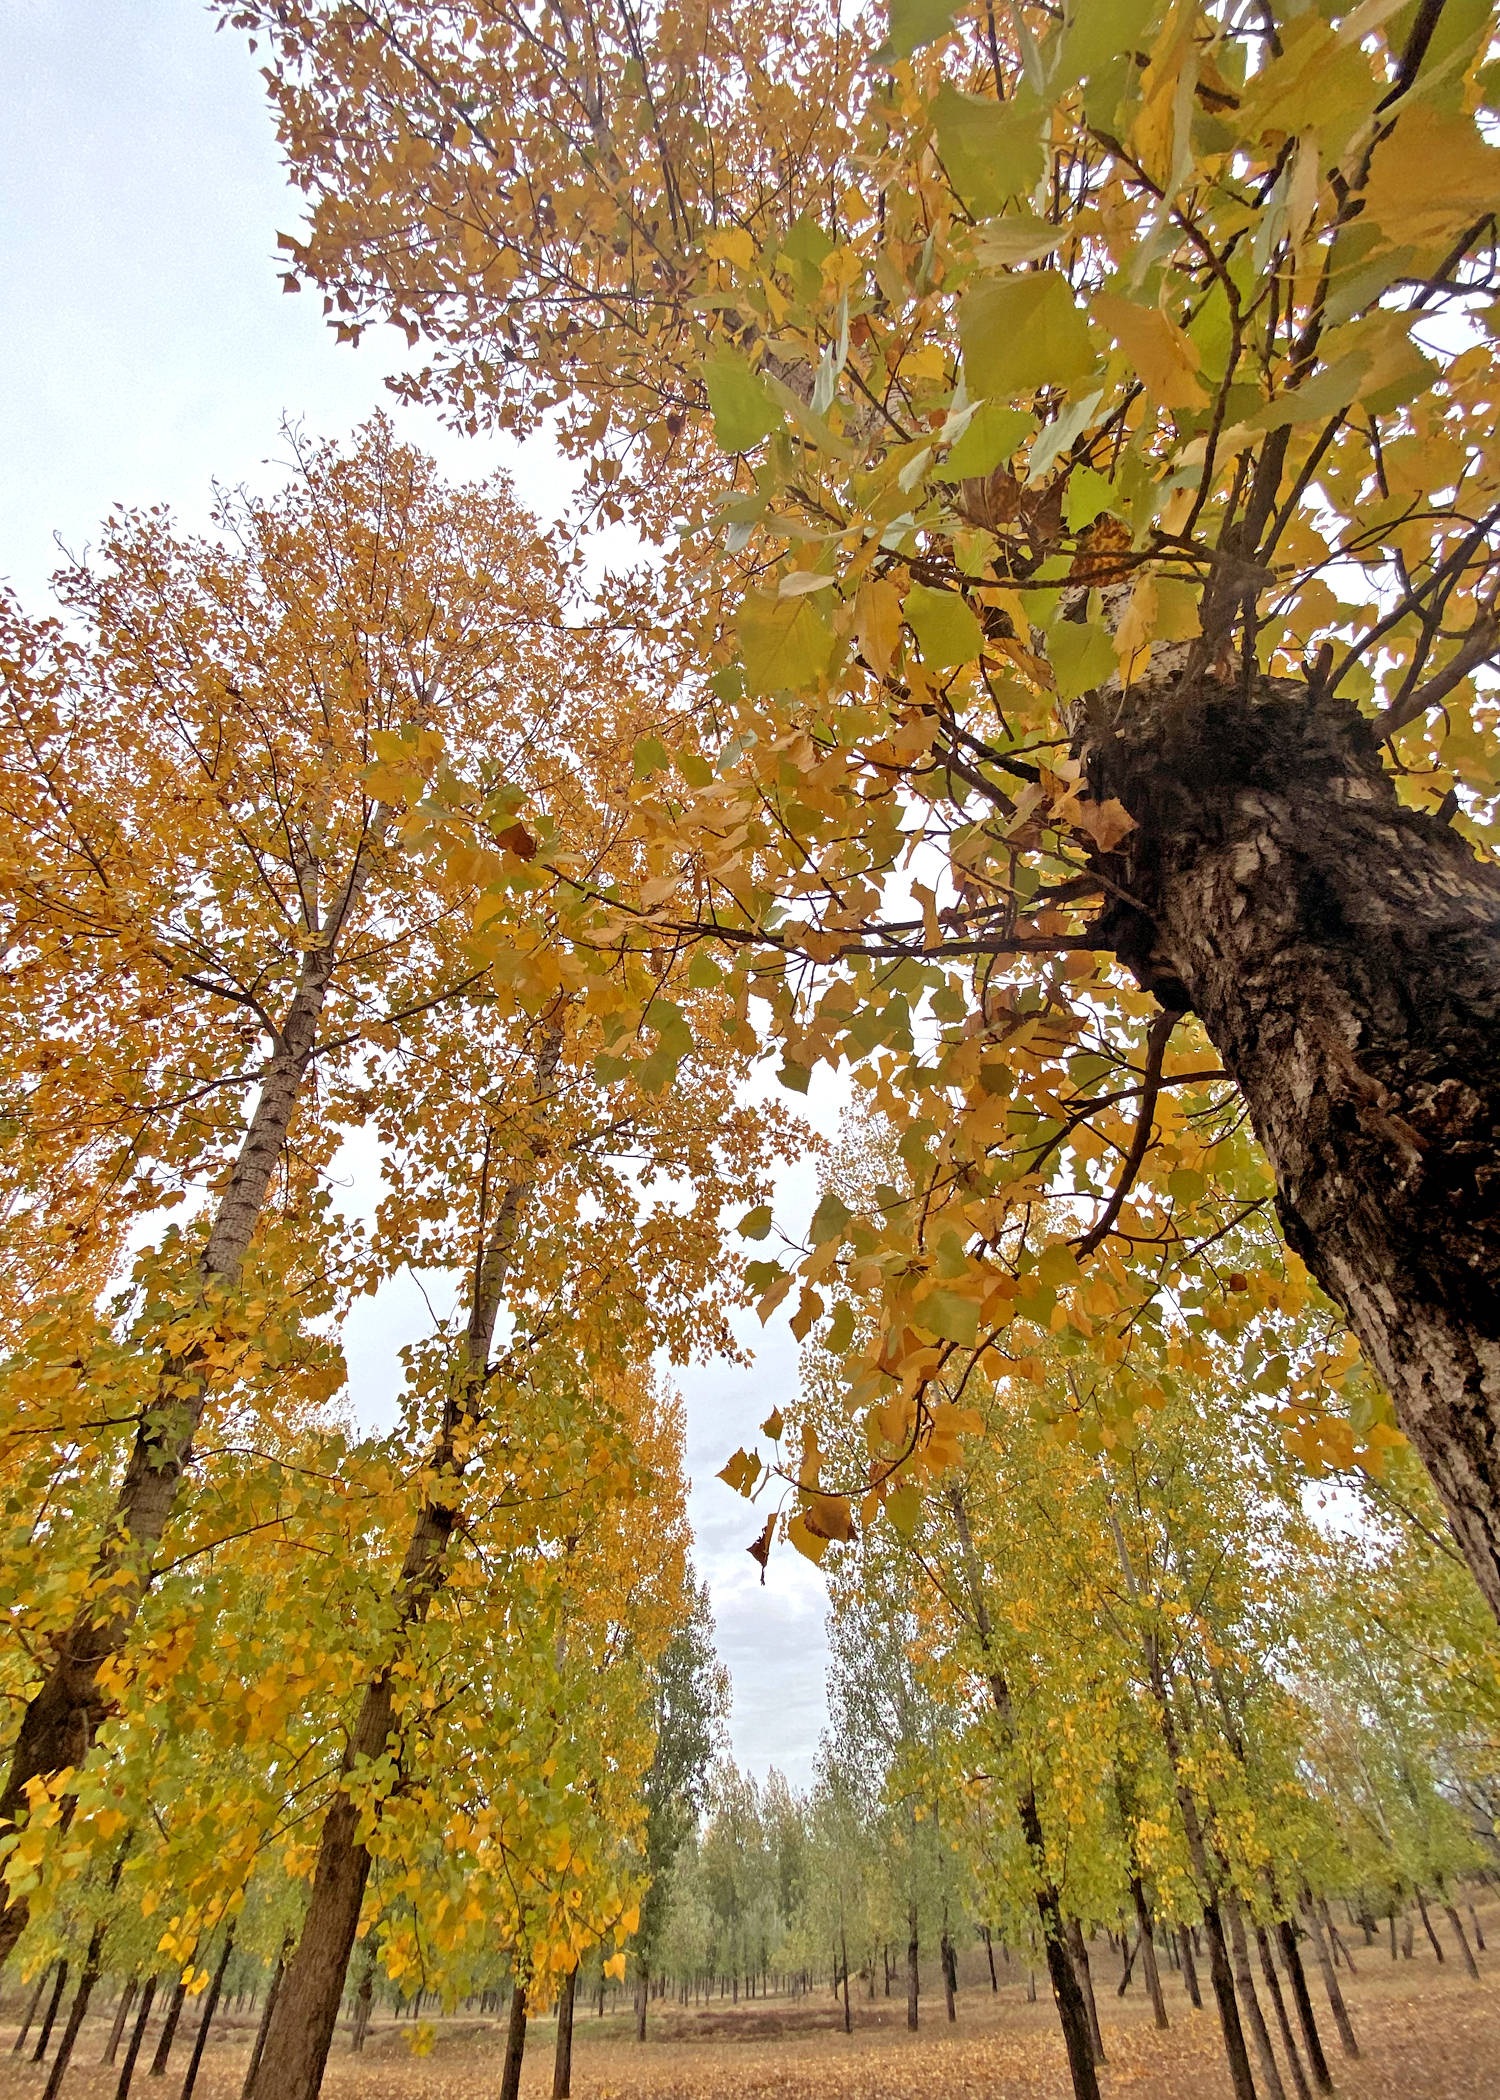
(1425, 2032)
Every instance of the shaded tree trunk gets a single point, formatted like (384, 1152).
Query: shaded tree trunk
(913, 1974)
(122, 2014)
(1291, 1961)
(515, 2043)
(76, 2011)
(1079, 1951)
(364, 2001)
(252, 2069)
(1451, 1914)
(1148, 1951)
(1189, 1967)
(206, 2019)
(1278, 2003)
(1336, 2003)
(169, 2030)
(1343, 954)
(1255, 2019)
(562, 2063)
(137, 2036)
(989, 1949)
(36, 1998)
(52, 2004)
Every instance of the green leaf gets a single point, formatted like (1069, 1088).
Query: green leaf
(840, 1329)
(992, 150)
(1081, 657)
(786, 644)
(830, 1218)
(755, 1224)
(1022, 333)
(993, 436)
(795, 1077)
(744, 410)
(913, 24)
(1088, 495)
(650, 757)
(943, 624)
(704, 974)
(903, 1505)
(955, 1319)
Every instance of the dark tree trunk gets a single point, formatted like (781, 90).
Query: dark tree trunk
(52, 2004)
(562, 2063)
(252, 2069)
(1148, 1951)
(364, 2001)
(76, 2011)
(844, 1962)
(913, 1973)
(1189, 1967)
(122, 2014)
(1255, 2019)
(1343, 954)
(210, 2007)
(1291, 1961)
(1336, 2003)
(950, 1974)
(1463, 1940)
(36, 1998)
(1078, 1949)
(989, 1949)
(1278, 2006)
(137, 2036)
(641, 2007)
(169, 2030)
(515, 2043)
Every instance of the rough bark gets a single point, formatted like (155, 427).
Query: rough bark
(63, 1715)
(210, 2007)
(1343, 954)
(301, 2030)
(562, 2062)
(364, 2002)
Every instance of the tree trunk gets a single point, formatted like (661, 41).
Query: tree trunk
(1189, 1967)
(515, 2043)
(122, 2014)
(52, 2004)
(1148, 1951)
(1427, 1926)
(562, 2063)
(76, 2011)
(1336, 2003)
(301, 2033)
(169, 2030)
(252, 2069)
(36, 1998)
(364, 2001)
(844, 1959)
(1291, 1961)
(913, 1975)
(1463, 1940)
(63, 1715)
(1255, 2019)
(1079, 1953)
(1343, 954)
(137, 2036)
(640, 2004)
(206, 2018)
(950, 1974)
(1278, 2004)
(989, 1949)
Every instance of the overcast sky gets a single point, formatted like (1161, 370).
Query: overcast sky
(146, 349)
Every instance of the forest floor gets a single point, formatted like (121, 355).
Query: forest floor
(1425, 2032)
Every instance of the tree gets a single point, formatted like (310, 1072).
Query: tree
(1105, 495)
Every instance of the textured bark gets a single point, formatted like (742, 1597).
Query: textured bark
(1255, 2019)
(1343, 954)
(515, 2044)
(63, 1716)
(210, 2007)
(562, 2062)
(301, 2029)
(1079, 1951)
(364, 2003)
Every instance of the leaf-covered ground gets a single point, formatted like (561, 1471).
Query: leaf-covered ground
(1426, 2033)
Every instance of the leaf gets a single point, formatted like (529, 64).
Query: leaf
(809, 1312)
(1088, 496)
(518, 840)
(903, 1505)
(811, 1544)
(650, 756)
(744, 410)
(945, 1313)
(877, 623)
(830, 1218)
(741, 1473)
(1023, 333)
(1105, 822)
(615, 1967)
(755, 1224)
(914, 23)
(829, 1517)
(1164, 356)
(760, 1549)
(1082, 657)
(992, 150)
(943, 624)
(785, 644)
(773, 1425)
(1431, 176)
(992, 438)
(1020, 237)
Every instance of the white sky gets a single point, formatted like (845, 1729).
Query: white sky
(146, 349)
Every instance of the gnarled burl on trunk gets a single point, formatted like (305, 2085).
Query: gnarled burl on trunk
(1343, 953)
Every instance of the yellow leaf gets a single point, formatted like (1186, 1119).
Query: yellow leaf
(1164, 355)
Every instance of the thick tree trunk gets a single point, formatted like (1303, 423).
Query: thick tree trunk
(562, 2062)
(301, 2032)
(1343, 954)
(63, 1716)
(1079, 1950)
(210, 2007)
